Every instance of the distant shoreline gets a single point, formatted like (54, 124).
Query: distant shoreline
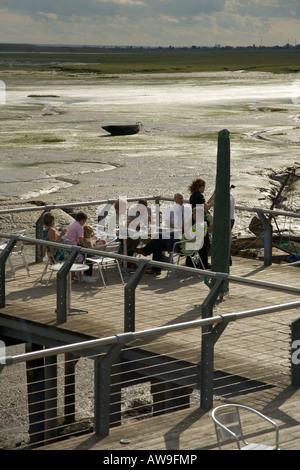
(125, 60)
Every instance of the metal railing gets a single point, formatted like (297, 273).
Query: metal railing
(169, 383)
(44, 409)
(117, 360)
(129, 307)
(262, 214)
(267, 235)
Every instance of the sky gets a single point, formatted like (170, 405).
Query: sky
(151, 22)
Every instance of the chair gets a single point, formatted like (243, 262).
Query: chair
(189, 248)
(46, 250)
(105, 261)
(18, 250)
(228, 426)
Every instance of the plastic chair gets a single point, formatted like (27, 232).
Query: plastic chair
(18, 250)
(189, 248)
(228, 426)
(105, 261)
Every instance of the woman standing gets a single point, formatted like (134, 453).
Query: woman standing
(196, 189)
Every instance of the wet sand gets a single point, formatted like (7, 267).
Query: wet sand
(54, 151)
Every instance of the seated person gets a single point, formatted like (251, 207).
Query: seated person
(140, 212)
(50, 233)
(138, 219)
(75, 230)
(91, 240)
(76, 237)
(176, 218)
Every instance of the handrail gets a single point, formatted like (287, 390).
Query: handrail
(212, 328)
(132, 199)
(79, 204)
(268, 211)
(259, 211)
(175, 267)
(126, 338)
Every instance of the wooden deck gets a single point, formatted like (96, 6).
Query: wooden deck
(193, 430)
(257, 348)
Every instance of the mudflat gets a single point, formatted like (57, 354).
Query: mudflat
(53, 149)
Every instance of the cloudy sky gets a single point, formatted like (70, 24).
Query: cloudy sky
(151, 22)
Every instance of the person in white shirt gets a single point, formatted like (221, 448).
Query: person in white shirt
(177, 219)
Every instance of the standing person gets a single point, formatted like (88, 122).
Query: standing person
(196, 189)
(232, 214)
(232, 207)
(76, 237)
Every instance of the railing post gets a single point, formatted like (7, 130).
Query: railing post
(295, 355)
(70, 383)
(209, 337)
(267, 237)
(4, 254)
(157, 212)
(62, 291)
(129, 297)
(35, 371)
(103, 383)
(51, 396)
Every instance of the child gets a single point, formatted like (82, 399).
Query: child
(91, 239)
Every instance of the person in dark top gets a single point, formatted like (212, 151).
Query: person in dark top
(197, 188)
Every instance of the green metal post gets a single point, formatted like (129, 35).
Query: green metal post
(220, 253)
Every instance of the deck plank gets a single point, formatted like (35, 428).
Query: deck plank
(247, 347)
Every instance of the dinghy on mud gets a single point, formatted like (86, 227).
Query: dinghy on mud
(123, 129)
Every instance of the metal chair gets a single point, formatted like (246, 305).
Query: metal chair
(18, 250)
(228, 426)
(49, 262)
(105, 261)
(189, 248)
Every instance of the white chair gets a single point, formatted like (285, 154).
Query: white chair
(105, 261)
(46, 250)
(18, 250)
(189, 247)
(228, 425)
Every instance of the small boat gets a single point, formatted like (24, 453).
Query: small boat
(123, 129)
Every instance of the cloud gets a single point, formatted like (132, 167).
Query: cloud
(149, 22)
